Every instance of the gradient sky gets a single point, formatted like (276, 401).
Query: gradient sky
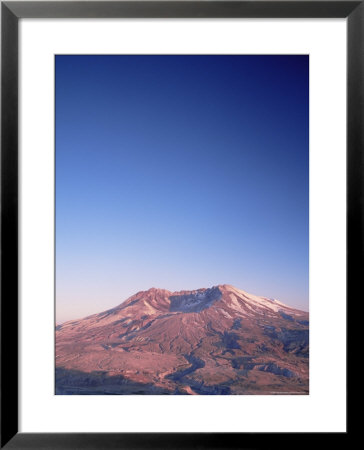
(180, 172)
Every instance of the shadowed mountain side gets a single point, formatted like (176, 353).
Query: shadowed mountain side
(196, 301)
(75, 382)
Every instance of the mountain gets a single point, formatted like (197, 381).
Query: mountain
(220, 340)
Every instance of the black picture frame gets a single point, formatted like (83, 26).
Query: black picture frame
(11, 12)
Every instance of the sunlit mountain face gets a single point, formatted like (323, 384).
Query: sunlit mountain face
(219, 340)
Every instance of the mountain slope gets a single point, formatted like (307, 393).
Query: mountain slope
(220, 340)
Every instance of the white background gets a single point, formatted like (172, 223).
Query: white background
(324, 408)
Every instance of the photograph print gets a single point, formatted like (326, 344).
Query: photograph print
(182, 224)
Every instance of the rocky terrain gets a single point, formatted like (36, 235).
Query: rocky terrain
(220, 340)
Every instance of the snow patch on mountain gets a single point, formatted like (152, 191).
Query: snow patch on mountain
(254, 301)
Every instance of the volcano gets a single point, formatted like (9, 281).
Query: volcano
(219, 340)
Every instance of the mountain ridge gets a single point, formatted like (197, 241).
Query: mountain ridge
(182, 292)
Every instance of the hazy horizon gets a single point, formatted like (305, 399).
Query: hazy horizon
(180, 173)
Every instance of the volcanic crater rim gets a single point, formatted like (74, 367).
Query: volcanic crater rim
(195, 301)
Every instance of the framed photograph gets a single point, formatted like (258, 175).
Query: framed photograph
(181, 221)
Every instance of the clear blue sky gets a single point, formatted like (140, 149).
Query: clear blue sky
(180, 172)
